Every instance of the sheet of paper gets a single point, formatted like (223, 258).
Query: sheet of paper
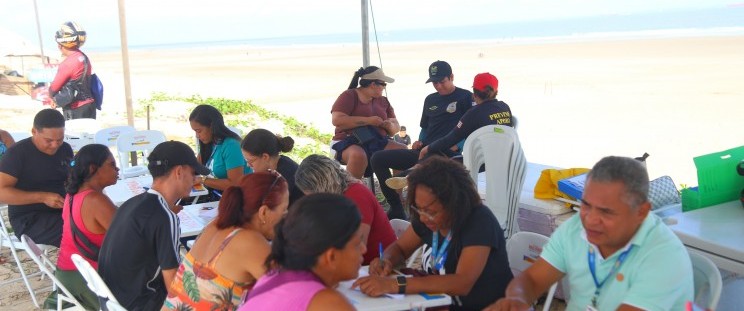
(208, 214)
(396, 296)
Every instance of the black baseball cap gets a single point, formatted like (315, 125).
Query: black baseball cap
(439, 70)
(172, 153)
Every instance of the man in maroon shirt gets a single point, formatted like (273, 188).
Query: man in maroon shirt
(70, 37)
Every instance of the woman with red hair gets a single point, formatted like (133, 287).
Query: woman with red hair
(228, 256)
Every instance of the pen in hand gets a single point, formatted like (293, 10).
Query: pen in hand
(382, 263)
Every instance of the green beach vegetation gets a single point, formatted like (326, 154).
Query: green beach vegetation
(246, 115)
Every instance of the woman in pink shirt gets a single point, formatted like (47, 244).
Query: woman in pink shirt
(92, 169)
(318, 245)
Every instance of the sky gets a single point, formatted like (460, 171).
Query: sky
(152, 22)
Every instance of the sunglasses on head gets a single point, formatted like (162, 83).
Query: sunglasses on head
(277, 176)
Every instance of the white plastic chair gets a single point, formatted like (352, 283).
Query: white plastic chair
(523, 248)
(499, 149)
(144, 141)
(109, 135)
(77, 142)
(18, 136)
(114, 306)
(707, 279)
(11, 241)
(95, 283)
(400, 226)
(48, 267)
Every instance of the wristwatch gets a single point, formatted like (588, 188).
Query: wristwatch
(402, 282)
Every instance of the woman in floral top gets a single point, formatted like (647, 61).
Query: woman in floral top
(228, 256)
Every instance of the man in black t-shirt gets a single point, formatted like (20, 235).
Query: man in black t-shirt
(488, 111)
(139, 255)
(402, 137)
(441, 111)
(32, 178)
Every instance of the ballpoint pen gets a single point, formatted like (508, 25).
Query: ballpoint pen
(379, 247)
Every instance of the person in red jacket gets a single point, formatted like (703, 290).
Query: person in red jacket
(70, 37)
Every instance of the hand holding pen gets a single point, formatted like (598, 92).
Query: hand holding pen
(380, 266)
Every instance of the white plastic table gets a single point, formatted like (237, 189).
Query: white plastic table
(716, 232)
(363, 302)
(195, 217)
(126, 188)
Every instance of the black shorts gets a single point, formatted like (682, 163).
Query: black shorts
(84, 111)
(43, 228)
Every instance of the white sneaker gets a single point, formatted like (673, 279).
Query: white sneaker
(397, 182)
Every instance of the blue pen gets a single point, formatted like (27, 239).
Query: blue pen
(217, 193)
(379, 247)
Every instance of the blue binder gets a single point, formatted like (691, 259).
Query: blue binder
(573, 186)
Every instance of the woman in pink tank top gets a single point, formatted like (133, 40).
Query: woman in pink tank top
(86, 214)
(228, 256)
(318, 245)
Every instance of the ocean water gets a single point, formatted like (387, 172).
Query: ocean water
(706, 22)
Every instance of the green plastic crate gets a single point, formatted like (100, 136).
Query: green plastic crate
(718, 181)
(692, 200)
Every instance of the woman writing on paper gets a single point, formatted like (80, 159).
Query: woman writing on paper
(261, 150)
(219, 148)
(228, 256)
(465, 252)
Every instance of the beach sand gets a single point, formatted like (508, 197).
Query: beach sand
(576, 102)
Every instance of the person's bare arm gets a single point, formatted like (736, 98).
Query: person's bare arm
(233, 178)
(396, 253)
(102, 210)
(11, 195)
(329, 299)
(526, 287)
(347, 122)
(391, 126)
(168, 276)
(470, 266)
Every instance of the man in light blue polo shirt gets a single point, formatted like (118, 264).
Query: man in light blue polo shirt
(615, 254)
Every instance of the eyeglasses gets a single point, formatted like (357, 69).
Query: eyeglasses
(420, 210)
(249, 161)
(277, 176)
(381, 83)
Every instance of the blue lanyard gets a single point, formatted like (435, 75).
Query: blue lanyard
(619, 262)
(211, 158)
(439, 255)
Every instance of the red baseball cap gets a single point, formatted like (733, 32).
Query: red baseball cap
(485, 79)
